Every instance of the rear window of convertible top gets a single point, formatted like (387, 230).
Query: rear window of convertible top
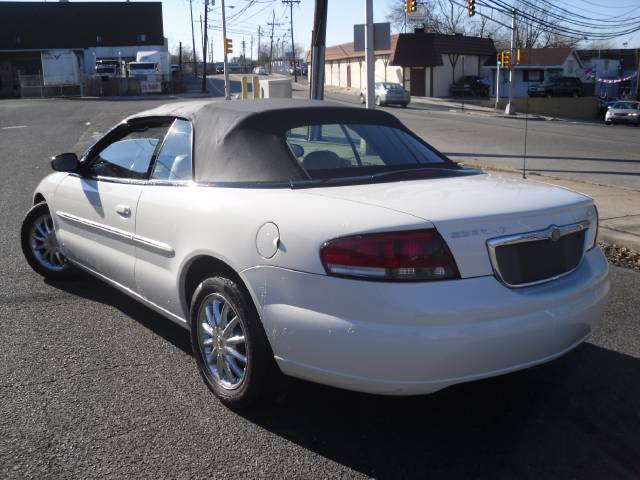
(337, 150)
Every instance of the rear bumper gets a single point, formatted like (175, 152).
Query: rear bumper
(395, 99)
(403, 339)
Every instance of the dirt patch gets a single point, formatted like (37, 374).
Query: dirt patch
(621, 256)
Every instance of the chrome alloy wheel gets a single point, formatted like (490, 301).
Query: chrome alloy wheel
(44, 245)
(221, 338)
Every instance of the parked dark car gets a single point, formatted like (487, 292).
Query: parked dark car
(603, 105)
(557, 87)
(469, 86)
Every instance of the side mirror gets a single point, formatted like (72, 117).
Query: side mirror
(65, 162)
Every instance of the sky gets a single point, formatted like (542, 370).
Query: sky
(342, 15)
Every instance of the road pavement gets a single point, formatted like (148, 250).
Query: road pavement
(95, 385)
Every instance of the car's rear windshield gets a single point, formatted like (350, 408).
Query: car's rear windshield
(390, 86)
(341, 150)
(106, 69)
(142, 66)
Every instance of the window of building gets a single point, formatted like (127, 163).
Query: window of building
(533, 75)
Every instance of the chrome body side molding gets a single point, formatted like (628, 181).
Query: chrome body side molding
(116, 232)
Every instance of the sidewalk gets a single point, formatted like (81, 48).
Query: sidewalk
(619, 209)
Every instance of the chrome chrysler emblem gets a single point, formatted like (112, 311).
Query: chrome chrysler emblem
(555, 234)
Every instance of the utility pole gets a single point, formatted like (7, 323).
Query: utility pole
(204, 48)
(251, 54)
(293, 47)
(510, 110)
(259, 39)
(369, 53)
(244, 55)
(318, 46)
(272, 25)
(193, 40)
(227, 91)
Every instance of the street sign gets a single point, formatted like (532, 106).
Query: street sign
(419, 16)
(381, 37)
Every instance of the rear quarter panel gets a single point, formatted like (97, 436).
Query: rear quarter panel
(223, 223)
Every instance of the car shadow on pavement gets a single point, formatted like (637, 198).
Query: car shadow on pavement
(577, 417)
(97, 291)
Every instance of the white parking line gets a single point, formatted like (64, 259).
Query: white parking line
(12, 127)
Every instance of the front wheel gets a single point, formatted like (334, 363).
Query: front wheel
(362, 100)
(40, 245)
(230, 345)
(378, 101)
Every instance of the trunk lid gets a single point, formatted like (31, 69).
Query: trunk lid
(469, 210)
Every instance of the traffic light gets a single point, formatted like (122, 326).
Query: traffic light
(506, 59)
(228, 46)
(499, 59)
(410, 6)
(471, 7)
(519, 56)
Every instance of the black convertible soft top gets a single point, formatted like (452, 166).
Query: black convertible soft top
(244, 141)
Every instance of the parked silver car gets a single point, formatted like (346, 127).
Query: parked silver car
(388, 93)
(623, 112)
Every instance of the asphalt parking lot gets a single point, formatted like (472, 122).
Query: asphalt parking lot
(94, 385)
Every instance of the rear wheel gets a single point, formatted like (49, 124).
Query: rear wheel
(230, 345)
(40, 245)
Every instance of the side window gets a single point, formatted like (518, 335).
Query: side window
(174, 160)
(128, 156)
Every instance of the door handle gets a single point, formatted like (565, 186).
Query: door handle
(123, 211)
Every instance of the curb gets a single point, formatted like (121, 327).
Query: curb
(618, 238)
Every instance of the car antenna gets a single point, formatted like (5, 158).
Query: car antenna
(526, 131)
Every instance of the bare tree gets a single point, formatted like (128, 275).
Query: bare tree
(453, 18)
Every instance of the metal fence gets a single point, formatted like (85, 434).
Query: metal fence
(33, 86)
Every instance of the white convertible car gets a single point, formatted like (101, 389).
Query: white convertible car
(324, 242)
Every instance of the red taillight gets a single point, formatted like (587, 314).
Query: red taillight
(414, 255)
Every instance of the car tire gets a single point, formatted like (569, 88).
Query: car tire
(378, 101)
(404, 105)
(242, 384)
(362, 99)
(40, 246)
(607, 122)
(576, 94)
(549, 95)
